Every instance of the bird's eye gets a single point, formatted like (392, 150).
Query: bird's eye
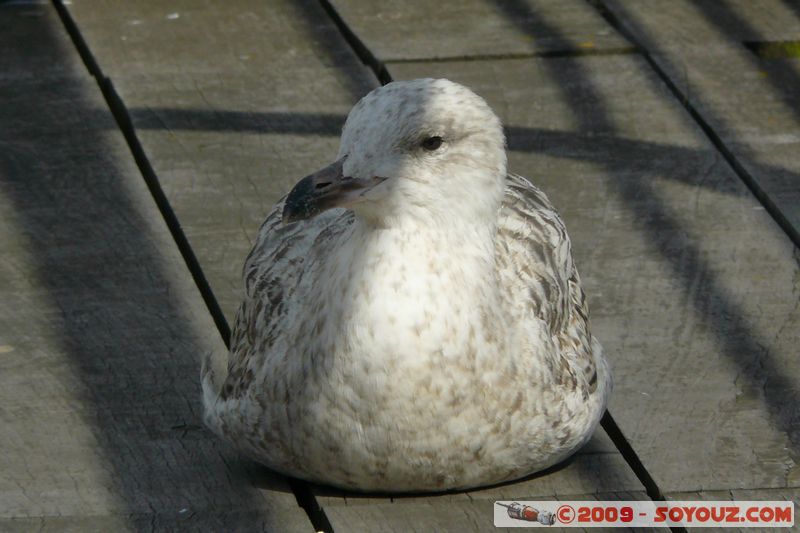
(432, 143)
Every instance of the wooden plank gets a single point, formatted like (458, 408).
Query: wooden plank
(395, 30)
(749, 101)
(102, 327)
(233, 102)
(692, 287)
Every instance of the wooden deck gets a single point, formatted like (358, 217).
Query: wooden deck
(142, 143)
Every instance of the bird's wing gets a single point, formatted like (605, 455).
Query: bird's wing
(273, 271)
(533, 249)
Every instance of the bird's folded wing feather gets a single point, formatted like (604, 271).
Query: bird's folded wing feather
(272, 272)
(534, 249)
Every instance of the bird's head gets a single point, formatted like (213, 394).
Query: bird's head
(429, 150)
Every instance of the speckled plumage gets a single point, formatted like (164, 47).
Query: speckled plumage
(435, 336)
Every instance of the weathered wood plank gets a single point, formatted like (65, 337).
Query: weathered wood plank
(233, 103)
(395, 30)
(692, 287)
(102, 328)
(751, 102)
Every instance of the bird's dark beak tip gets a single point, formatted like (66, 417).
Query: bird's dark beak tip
(300, 198)
(305, 200)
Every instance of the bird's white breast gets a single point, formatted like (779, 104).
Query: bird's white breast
(405, 370)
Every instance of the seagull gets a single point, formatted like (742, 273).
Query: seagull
(412, 319)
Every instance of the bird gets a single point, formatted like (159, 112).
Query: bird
(412, 319)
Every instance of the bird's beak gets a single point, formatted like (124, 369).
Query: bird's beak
(323, 190)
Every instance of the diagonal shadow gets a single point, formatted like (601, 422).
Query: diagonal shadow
(566, 72)
(781, 75)
(94, 267)
(732, 332)
(328, 44)
(766, 186)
